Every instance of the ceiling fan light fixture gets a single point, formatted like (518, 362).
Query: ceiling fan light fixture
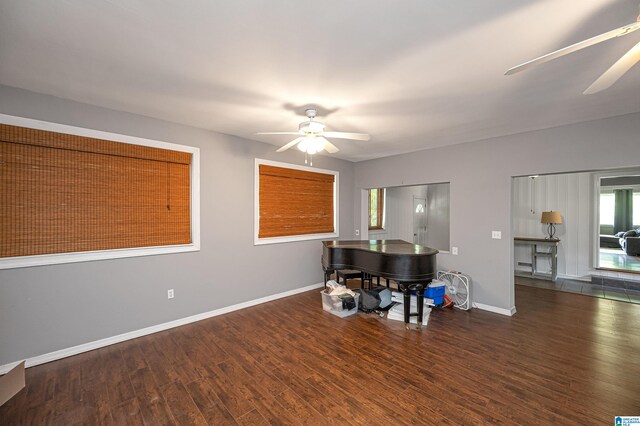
(318, 144)
(311, 145)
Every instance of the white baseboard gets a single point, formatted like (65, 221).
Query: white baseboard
(494, 309)
(85, 347)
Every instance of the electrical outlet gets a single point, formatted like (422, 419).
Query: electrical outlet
(496, 235)
(170, 294)
(454, 251)
(357, 232)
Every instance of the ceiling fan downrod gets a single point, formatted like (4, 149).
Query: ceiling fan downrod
(311, 113)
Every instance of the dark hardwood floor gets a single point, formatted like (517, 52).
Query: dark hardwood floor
(562, 359)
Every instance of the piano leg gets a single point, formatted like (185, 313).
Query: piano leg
(327, 276)
(406, 292)
(420, 297)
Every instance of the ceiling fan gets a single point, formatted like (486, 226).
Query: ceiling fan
(313, 139)
(606, 80)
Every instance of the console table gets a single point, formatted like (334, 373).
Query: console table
(535, 254)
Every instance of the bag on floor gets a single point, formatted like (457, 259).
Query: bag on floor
(377, 298)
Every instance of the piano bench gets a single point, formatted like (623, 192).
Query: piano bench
(369, 277)
(378, 280)
(349, 274)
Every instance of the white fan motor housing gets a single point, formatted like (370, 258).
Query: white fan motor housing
(311, 127)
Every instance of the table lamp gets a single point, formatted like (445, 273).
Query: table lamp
(552, 218)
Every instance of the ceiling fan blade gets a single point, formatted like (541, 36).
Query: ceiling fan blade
(331, 148)
(575, 47)
(346, 135)
(277, 133)
(289, 145)
(616, 71)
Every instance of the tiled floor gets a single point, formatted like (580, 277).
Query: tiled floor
(617, 259)
(625, 292)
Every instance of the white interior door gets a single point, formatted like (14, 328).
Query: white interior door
(419, 221)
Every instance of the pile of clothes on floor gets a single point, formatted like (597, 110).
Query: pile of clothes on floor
(379, 300)
(344, 296)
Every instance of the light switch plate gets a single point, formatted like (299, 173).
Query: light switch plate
(496, 235)
(357, 232)
(454, 251)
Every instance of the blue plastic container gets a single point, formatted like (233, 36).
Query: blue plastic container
(435, 291)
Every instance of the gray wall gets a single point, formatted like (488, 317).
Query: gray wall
(47, 308)
(438, 216)
(480, 175)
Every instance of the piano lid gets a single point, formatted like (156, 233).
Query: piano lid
(382, 246)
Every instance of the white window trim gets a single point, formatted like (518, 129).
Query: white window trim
(58, 258)
(256, 205)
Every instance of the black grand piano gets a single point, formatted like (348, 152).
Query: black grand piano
(412, 266)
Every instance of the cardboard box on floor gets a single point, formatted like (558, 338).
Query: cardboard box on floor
(11, 383)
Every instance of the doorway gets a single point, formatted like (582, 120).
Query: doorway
(582, 230)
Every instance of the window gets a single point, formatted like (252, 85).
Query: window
(67, 198)
(294, 203)
(376, 208)
(607, 208)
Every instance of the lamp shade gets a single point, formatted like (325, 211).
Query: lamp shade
(551, 217)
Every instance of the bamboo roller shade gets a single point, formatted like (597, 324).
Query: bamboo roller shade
(63, 193)
(294, 202)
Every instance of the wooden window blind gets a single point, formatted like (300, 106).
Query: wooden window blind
(295, 202)
(62, 193)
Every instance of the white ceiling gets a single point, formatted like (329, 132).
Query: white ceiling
(414, 73)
